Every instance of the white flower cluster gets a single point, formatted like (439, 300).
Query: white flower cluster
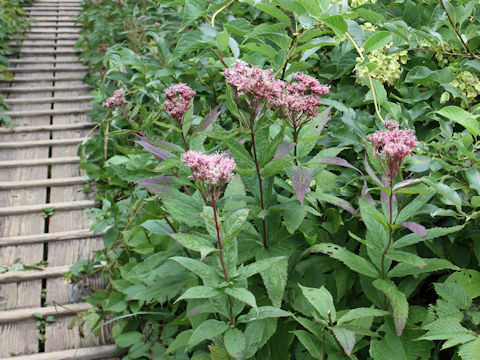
(388, 68)
(357, 3)
(466, 83)
(368, 27)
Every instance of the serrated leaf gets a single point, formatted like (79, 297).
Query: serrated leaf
(334, 200)
(235, 343)
(444, 329)
(193, 10)
(179, 341)
(301, 178)
(398, 302)
(199, 292)
(432, 233)
(256, 267)
(310, 342)
(336, 23)
(346, 338)
(446, 191)
(275, 166)
(207, 330)
(432, 265)
(353, 261)
(275, 279)
(195, 243)
(242, 295)
(469, 279)
(406, 257)
(264, 312)
(414, 227)
(360, 313)
(207, 273)
(413, 206)
(321, 300)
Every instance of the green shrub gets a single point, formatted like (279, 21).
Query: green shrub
(357, 260)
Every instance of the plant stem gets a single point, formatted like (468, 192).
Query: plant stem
(184, 140)
(262, 205)
(324, 354)
(374, 94)
(390, 223)
(295, 135)
(220, 248)
(458, 33)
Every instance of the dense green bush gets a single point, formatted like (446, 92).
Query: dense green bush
(12, 26)
(327, 253)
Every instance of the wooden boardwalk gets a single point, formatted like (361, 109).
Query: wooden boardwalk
(38, 170)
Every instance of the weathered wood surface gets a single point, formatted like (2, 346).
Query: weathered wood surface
(38, 165)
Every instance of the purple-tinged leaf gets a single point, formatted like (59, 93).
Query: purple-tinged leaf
(416, 228)
(283, 149)
(398, 301)
(370, 172)
(346, 338)
(334, 200)
(365, 195)
(156, 185)
(208, 119)
(405, 183)
(301, 179)
(339, 162)
(386, 200)
(160, 154)
(325, 116)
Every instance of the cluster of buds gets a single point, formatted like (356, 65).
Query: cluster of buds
(300, 99)
(102, 47)
(393, 145)
(116, 100)
(210, 172)
(178, 101)
(388, 68)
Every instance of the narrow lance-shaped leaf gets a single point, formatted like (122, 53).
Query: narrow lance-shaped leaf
(398, 301)
(360, 313)
(346, 339)
(156, 185)
(416, 228)
(370, 172)
(211, 117)
(335, 160)
(405, 183)
(235, 343)
(243, 295)
(160, 154)
(195, 243)
(198, 292)
(354, 262)
(207, 330)
(334, 200)
(321, 300)
(301, 179)
(283, 149)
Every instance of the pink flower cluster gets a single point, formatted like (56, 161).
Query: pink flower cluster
(253, 81)
(301, 98)
(116, 100)
(393, 145)
(209, 169)
(178, 101)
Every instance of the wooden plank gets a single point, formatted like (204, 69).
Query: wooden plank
(16, 315)
(39, 162)
(22, 337)
(46, 112)
(90, 353)
(38, 143)
(49, 69)
(68, 78)
(25, 275)
(42, 182)
(42, 89)
(49, 100)
(39, 207)
(48, 237)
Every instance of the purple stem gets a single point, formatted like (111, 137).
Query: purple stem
(232, 320)
(390, 223)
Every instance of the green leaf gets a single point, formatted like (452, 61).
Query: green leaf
(473, 177)
(376, 41)
(275, 166)
(397, 300)
(447, 192)
(360, 313)
(207, 330)
(469, 279)
(193, 10)
(413, 206)
(336, 23)
(242, 295)
(275, 279)
(194, 242)
(432, 233)
(207, 273)
(199, 292)
(235, 343)
(179, 341)
(235, 222)
(321, 300)
(256, 267)
(444, 329)
(353, 261)
(406, 257)
(311, 343)
(346, 338)
(129, 338)
(462, 117)
(263, 312)
(432, 265)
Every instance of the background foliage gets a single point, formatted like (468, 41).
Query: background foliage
(12, 26)
(322, 294)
